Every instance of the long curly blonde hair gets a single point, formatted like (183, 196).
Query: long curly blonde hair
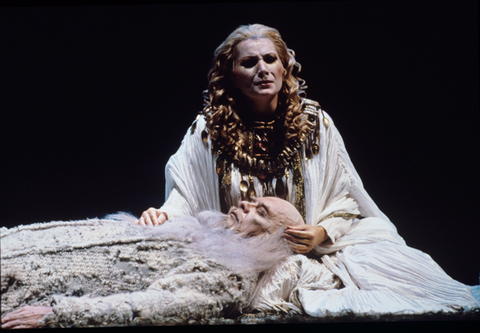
(221, 100)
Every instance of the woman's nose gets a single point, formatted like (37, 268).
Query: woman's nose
(262, 68)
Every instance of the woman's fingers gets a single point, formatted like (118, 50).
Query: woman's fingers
(298, 245)
(300, 234)
(298, 248)
(295, 239)
(301, 239)
(162, 218)
(144, 220)
(152, 217)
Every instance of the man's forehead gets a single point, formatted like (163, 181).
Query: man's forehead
(281, 208)
(270, 202)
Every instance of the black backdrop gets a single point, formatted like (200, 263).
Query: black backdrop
(94, 99)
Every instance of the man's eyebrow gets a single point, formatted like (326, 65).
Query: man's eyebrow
(266, 207)
(262, 204)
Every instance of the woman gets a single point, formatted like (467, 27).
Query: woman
(254, 132)
(258, 137)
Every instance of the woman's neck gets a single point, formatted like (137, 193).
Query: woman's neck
(263, 110)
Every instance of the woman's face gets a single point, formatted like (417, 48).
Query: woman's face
(258, 70)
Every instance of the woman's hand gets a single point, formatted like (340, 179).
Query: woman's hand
(303, 238)
(25, 317)
(152, 216)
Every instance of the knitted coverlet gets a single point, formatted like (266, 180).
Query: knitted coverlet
(111, 273)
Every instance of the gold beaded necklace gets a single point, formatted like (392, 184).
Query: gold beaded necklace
(261, 161)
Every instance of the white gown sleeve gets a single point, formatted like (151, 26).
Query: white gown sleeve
(191, 182)
(334, 194)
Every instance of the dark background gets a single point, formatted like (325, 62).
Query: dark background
(94, 99)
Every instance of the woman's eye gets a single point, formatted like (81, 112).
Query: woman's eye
(270, 58)
(249, 63)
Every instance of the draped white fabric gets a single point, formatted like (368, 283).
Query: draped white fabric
(378, 272)
(377, 278)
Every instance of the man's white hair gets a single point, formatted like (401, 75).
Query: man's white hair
(258, 253)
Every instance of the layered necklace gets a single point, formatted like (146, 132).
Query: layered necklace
(269, 155)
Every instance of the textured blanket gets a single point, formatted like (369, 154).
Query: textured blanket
(111, 273)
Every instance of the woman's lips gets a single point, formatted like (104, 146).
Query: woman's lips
(264, 83)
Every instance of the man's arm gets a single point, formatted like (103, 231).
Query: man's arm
(194, 295)
(26, 317)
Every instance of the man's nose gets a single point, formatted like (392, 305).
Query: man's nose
(245, 206)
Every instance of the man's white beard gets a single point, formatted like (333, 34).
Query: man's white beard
(259, 253)
(209, 233)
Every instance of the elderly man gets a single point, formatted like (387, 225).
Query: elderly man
(202, 268)
(249, 219)
(217, 266)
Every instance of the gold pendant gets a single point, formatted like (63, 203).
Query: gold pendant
(204, 136)
(220, 166)
(308, 153)
(262, 170)
(326, 122)
(244, 187)
(279, 189)
(251, 190)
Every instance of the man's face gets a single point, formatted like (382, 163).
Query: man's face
(264, 215)
(258, 69)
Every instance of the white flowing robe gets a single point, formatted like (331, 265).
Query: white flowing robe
(379, 273)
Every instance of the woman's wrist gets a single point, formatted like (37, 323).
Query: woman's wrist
(322, 235)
